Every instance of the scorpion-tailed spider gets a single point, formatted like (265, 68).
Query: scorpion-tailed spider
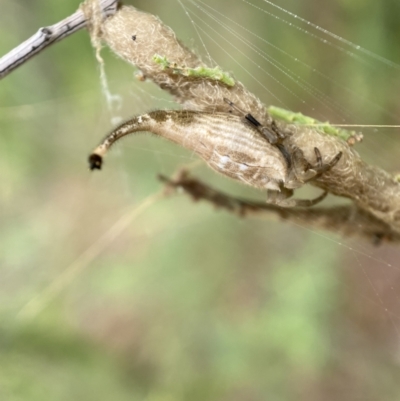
(237, 147)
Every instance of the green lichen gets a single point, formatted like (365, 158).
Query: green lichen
(298, 118)
(215, 74)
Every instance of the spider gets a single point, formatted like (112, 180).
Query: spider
(301, 170)
(233, 147)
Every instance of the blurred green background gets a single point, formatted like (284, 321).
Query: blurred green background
(185, 302)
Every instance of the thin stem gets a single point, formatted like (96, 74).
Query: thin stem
(346, 220)
(48, 35)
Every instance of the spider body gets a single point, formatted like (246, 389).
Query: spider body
(222, 140)
(232, 146)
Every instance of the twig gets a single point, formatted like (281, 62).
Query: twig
(48, 35)
(347, 220)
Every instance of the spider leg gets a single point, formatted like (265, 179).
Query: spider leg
(285, 154)
(281, 135)
(277, 197)
(319, 158)
(270, 134)
(304, 202)
(303, 171)
(282, 199)
(321, 168)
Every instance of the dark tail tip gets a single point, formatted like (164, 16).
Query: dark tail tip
(95, 161)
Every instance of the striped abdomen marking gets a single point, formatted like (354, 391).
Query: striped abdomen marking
(229, 145)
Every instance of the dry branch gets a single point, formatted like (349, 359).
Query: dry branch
(48, 35)
(346, 220)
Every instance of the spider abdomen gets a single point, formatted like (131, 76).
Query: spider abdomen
(227, 143)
